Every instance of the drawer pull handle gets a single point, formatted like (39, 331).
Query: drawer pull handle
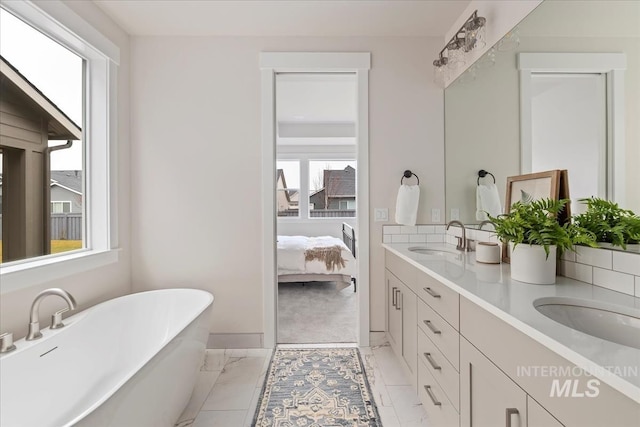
(430, 326)
(431, 361)
(431, 292)
(398, 299)
(394, 300)
(509, 412)
(432, 396)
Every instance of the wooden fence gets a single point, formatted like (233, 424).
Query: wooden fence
(322, 213)
(63, 226)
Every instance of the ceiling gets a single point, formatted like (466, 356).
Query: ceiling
(305, 18)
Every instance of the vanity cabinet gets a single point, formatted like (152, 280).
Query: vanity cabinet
(467, 363)
(401, 317)
(511, 351)
(490, 398)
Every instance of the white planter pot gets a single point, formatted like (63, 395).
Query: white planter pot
(529, 264)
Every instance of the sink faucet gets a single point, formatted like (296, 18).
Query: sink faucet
(463, 243)
(486, 221)
(34, 321)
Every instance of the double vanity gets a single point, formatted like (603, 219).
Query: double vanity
(484, 350)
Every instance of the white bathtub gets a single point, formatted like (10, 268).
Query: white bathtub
(130, 361)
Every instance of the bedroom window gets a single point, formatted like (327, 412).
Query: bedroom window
(332, 189)
(288, 188)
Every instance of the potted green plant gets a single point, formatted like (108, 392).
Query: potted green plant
(536, 238)
(611, 224)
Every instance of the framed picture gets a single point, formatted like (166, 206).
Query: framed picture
(552, 184)
(532, 186)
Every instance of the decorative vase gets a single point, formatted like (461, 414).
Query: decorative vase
(530, 264)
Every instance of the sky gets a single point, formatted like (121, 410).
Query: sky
(53, 69)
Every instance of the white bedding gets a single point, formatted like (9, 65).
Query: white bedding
(291, 257)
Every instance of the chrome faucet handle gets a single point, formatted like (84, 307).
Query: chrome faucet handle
(6, 342)
(460, 246)
(56, 319)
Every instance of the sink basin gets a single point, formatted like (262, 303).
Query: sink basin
(607, 321)
(430, 251)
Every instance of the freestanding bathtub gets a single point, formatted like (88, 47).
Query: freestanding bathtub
(131, 361)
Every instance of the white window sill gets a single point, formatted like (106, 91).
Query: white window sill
(22, 275)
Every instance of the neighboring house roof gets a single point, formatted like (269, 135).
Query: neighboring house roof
(60, 126)
(340, 183)
(71, 180)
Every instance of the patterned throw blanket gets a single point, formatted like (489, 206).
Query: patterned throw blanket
(330, 255)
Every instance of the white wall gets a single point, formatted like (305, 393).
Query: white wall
(196, 159)
(110, 281)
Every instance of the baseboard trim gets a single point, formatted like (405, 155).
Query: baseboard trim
(235, 341)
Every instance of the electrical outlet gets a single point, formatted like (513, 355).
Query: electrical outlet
(455, 213)
(435, 215)
(381, 214)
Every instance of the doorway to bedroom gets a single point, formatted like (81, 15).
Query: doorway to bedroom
(316, 204)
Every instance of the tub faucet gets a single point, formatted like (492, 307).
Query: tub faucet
(463, 243)
(34, 321)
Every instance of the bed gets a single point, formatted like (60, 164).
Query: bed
(317, 259)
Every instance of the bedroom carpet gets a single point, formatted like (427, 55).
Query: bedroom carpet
(318, 312)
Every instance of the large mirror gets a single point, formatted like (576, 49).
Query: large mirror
(536, 102)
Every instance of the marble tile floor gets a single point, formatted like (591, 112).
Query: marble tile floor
(230, 383)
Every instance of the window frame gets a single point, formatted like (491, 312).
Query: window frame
(101, 57)
(63, 202)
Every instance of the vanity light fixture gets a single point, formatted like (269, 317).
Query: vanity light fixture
(452, 56)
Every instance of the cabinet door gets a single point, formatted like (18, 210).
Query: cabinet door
(394, 313)
(409, 308)
(537, 416)
(488, 398)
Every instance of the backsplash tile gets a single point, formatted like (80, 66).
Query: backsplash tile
(597, 257)
(614, 280)
(399, 238)
(576, 271)
(615, 270)
(626, 262)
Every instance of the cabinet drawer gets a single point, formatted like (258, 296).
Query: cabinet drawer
(440, 297)
(439, 409)
(441, 333)
(440, 368)
(402, 269)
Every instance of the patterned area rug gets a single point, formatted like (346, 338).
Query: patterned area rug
(316, 387)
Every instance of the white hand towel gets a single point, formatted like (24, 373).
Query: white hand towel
(407, 204)
(487, 200)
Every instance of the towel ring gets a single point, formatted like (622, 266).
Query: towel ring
(409, 174)
(482, 173)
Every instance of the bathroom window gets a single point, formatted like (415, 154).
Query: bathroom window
(41, 102)
(60, 73)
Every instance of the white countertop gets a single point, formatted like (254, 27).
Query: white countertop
(491, 287)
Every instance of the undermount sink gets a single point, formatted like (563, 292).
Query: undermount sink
(607, 321)
(431, 251)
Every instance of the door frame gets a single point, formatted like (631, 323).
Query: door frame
(272, 63)
(613, 66)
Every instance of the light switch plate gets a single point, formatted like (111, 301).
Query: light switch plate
(435, 215)
(455, 213)
(381, 214)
